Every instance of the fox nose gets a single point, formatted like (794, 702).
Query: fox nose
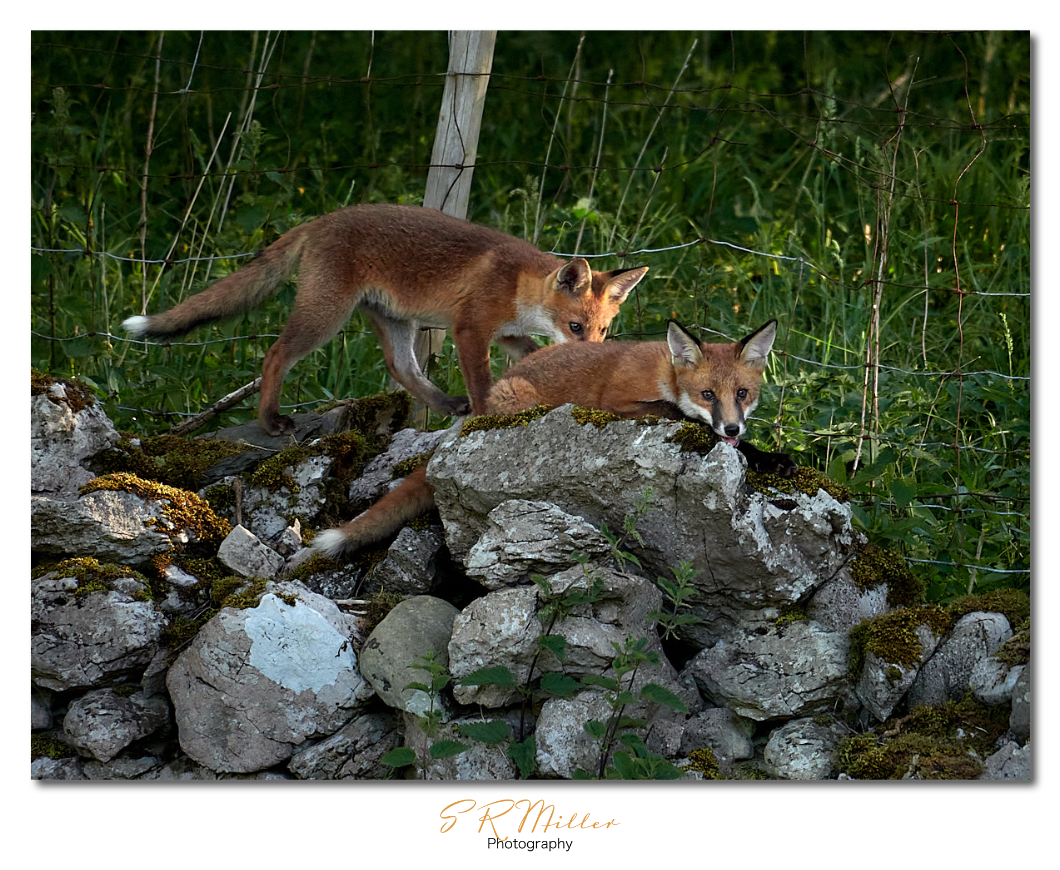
(732, 430)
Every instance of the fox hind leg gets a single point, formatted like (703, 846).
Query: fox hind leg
(306, 330)
(398, 340)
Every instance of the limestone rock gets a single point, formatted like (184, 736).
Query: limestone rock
(947, 674)
(410, 564)
(415, 627)
(243, 553)
(62, 440)
(501, 629)
(882, 684)
(794, 670)
(97, 638)
(102, 723)
(255, 683)
(353, 752)
(802, 749)
(527, 537)
(759, 557)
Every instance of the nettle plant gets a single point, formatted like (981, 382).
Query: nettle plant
(622, 753)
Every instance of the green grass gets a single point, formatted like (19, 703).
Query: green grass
(790, 146)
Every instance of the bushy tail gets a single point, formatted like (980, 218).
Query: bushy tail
(234, 294)
(408, 499)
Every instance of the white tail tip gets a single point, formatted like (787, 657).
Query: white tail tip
(331, 543)
(135, 325)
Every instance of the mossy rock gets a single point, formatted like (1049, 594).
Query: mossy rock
(184, 509)
(93, 575)
(78, 394)
(873, 565)
(1012, 603)
(946, 741)
(169, 459)
(892, 637)
(704, 761)
(805, 480)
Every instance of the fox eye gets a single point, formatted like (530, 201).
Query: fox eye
(575, 327)
(708, 395)
(741, 394)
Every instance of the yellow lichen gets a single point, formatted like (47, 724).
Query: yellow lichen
(703, 760)
(183, 509)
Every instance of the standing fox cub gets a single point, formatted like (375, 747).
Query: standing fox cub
(407, 267)
(680, 378)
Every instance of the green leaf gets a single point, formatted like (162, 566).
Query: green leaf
(559, 684)
(524, 754)
(447, 748)
(661, 695)
(401, 757)
(494, 731)
(556, 644)
(497, 675)
(595, 729)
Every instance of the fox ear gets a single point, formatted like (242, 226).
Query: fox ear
(756, 347)
(684, 347)
(621, 281)
(575, 277)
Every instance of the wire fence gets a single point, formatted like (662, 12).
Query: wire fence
(877, 206)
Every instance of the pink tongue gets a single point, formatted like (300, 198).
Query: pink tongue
(732, 442)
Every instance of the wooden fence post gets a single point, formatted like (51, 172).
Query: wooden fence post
(455, 146)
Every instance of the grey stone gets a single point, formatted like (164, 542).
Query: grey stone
(102, 723)
(255, 683)
(947, 674)
(502, 629)
(109, 525)
(377, 478)
(1019, 721)
(527, 537)
(840, 605)
(62, 441)
(759, 557)
(802, 749)
(415, 627)
(794, 670)
(1011, 761)
(94, 639)
(243, 553)
(563, 746)
(409, 567)
(882, 684)
(992, 682)
(353, 752)
(725, 733)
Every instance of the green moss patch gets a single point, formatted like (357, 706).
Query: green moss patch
(703, 760)
(1013, 603)
(873, 565)
(947, 741)
(489, 422)
(892, 637)
(168, 459)
(694, 438)
(93, 575)
(805, 480)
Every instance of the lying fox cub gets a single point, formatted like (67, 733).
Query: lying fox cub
(680, 378)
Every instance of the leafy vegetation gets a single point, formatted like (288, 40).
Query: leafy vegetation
(870, 190)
